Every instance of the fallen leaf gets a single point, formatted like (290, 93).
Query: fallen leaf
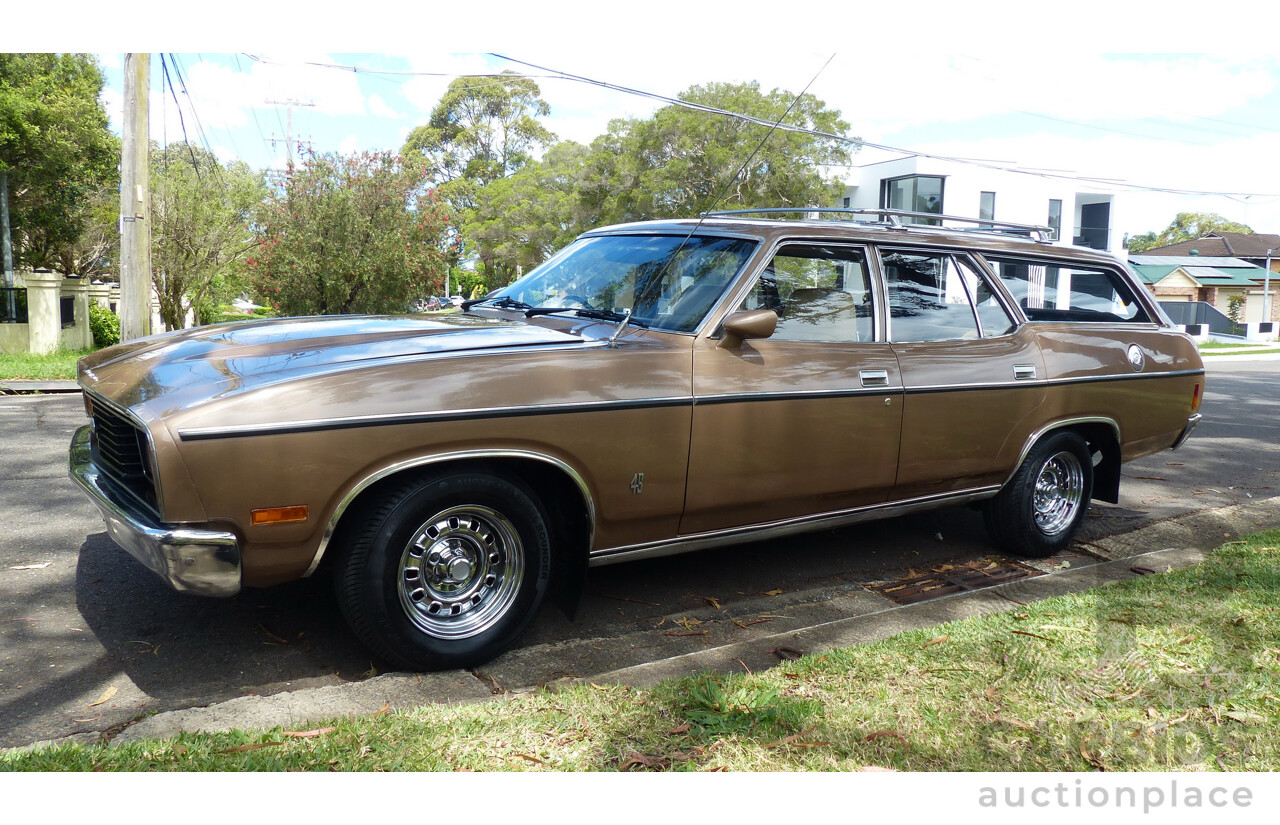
(639, 760)
(936, 640)
(713, 602)
(307, 734)
(40, 566)
(180, 749)
(771, 593)
(682, 729)
(104, 698)
(1015, 722)
(789, 654)
(877, 769)
(885, 734)
(385, 709)
(279, 639)
(246, 748)
(1035, 635)
(529, 758)
(794, 741)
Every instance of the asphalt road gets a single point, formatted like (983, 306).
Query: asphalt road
(90, 640)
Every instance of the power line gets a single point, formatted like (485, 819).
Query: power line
(555, 74)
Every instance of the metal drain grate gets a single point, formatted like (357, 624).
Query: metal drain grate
(975, 576)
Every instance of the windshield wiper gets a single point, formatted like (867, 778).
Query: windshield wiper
(587, 312)
(504, 303)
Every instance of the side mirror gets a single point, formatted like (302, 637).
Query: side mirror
(740, 326)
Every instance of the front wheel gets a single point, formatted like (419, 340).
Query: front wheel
(1039, 510)
(445, 572)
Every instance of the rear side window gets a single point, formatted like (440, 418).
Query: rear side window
(1058, 292)
(938, 296)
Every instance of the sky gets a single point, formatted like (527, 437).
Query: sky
(1153, 96)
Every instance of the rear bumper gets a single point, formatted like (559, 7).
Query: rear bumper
(1186, 431)
(204, 562)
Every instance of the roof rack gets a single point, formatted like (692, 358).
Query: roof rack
(893, 218)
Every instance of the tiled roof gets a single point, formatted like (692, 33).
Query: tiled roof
(1190, 260)
(1223, 245)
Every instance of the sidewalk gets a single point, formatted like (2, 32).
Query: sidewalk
(19, 386)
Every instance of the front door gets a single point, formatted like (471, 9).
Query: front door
(806, 421)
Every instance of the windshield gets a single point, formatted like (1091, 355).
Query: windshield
(666, 281)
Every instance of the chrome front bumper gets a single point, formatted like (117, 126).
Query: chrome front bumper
(204, 562)
(1186, 431)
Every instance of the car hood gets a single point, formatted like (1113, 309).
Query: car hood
(228, 358)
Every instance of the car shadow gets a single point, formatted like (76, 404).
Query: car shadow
(180, 648)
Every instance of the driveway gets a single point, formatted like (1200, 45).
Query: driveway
(90, 641)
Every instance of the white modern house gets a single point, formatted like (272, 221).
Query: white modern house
(989, 191)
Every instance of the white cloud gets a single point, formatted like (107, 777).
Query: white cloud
(380, 108)
(350, 145)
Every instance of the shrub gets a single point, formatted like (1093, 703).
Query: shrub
(105, 326)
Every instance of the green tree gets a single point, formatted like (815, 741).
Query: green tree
(200, 232)
(483, 129)
(524, 218)
(1187, 226)
(677, 162)
(350, 234)
(56, 152)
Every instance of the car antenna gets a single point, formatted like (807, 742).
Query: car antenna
(703, 215)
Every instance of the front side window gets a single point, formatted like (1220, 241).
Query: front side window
(1057, 292)
(937, 296)
(668, 282)
(820, 293)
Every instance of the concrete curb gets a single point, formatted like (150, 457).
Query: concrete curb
(1183, 542)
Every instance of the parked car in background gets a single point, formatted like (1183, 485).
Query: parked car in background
(653, 388)
(457, 300)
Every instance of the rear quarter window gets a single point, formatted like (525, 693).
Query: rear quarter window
(1049, 291)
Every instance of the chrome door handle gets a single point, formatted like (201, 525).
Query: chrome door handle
(874, 378)
(1024, 372)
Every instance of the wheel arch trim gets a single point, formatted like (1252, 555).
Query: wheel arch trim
(1053, 426)
(368, 481)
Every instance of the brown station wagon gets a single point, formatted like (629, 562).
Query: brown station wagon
(654, 388)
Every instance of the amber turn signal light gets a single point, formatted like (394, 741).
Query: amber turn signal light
(1195, 398)
(278, 515)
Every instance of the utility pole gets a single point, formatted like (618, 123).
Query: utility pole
(135, 201)
(288, 136)
(11, 303)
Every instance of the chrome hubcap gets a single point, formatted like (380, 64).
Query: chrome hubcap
(1059, 493)
(460, 572)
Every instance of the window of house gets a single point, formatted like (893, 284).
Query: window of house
(1053, 292)
(987, 206)
(1055, 219)
(937, 296)
(820, 293)
(916, 193)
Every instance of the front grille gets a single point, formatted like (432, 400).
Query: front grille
(122, 456)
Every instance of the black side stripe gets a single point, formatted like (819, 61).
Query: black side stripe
(213, 433)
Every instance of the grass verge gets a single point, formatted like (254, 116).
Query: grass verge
(55, 366)
(1169, 672)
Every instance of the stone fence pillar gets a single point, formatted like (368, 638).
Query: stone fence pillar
(44, 318)
(100, 294)
(79, 336)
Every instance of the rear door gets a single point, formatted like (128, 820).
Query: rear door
(806, 421)
(972, 378)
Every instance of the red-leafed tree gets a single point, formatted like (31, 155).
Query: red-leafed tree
(343, 234)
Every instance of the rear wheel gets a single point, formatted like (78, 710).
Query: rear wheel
(445, 572)
(1042, 506)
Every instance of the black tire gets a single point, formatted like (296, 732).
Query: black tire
(1042, 506)
(445, 572)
